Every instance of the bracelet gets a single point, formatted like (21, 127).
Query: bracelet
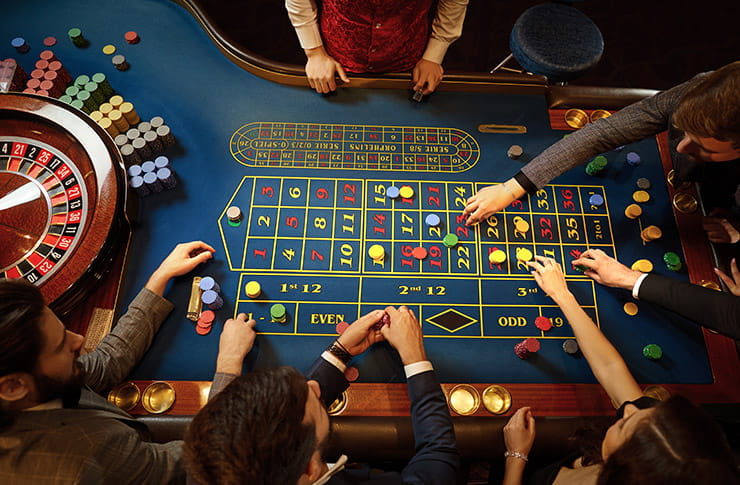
(507, 189)
(515, 454)
(337, 350)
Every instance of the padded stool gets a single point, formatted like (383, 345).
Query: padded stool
(557, 41)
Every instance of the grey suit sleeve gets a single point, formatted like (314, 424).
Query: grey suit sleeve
(114, 358)
(631, 124)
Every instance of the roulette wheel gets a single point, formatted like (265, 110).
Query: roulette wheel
(62, 198)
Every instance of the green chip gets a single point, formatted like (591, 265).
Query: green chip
(580, 268)
(652, 351)
(600, 161)
(72, 91)
(234, 223)
(671, 259)
(450, 240)
(74, 33)
(77, 104)
(277, 311)
(81, 80)
(65, 98)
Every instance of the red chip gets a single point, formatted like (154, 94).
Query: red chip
(543, 323)
(384, 320)
(131, 37)
(207, 316)
(50, 41)
(42, 64)
(352, 374)
(419, 252)
(341, 327)
(532, 344)
(201, 330)
(47, 55)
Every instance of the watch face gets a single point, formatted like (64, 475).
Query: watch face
(62, 193)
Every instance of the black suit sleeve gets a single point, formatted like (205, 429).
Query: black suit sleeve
(330, 379)
(437, 460)
(712, 309)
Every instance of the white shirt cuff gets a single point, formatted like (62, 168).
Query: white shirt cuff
(636, 288)
(329, 357)
(417, 368)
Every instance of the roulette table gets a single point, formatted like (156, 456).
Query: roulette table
(310, 176)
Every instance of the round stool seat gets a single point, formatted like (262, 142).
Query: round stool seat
(556, 41)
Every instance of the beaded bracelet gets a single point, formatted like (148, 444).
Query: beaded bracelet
(515, 454)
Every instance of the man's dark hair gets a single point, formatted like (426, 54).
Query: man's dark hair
(711, 107)
(21, 339)
(678, 443)
(253, 431)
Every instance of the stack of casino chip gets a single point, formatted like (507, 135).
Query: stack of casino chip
(597, 165)
(652, 351)
(672, 261)
(75, 35)
(210, 293)
(145, 140)
(526, 348)
(116, 116)
(152, 176)
(20, 45)
(88, 93)
(278, 313)
(205, 322)
(234, 216)
(12, 76)
(49, 77)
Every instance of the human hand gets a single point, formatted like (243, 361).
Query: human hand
(519, 432)
(183, 259)
(361, 335)
(237, 339)
(404, 334)
(549, 276)
(489, 200)
(732, 283)
(320, 70)
(606, 270)
(721, 227)
(426, 76)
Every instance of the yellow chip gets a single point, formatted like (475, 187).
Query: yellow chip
(109, 49)
(642, 265)
(105, 108)
(630, 309)
(96, 116)
(522, 225)
(376, 252)
(651, 233)
(633, 211)
(640, 196)
(523, 254)
(406, 192)
(254, 289)
(116, 101)
(497, 257)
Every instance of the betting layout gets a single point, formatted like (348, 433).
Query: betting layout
(364, 147)
(43, 205)
(310, 243)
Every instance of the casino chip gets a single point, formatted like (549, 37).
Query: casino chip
(643, 183)
(633, 159)
(432, 220)
(341, 327)
(640, 196)
(376, 253)
(278, 313)
(419, 253)
(596, 200)
(514, 152)
(543, 323)
(352, 374)
(385, 320)
(406, 192)
(526, 348)
(672, 261)
(652, 352)
(630, 308)
(450, 240)
(642, 265)
(633, 211)
(393, 192)
(253, 289)
(524, 254)
(497, 256)
(570, 347)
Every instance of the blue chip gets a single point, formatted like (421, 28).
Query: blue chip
(137, 183)
(392, 192)
(633, 159)
(161, 162)
(596, 199)
(148, 166)
(18, 42)
(134, 170)
(432, 220)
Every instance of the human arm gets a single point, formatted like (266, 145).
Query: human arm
(328, 369)
(320, 66)
(606, 363)
(716, 310)
(237, 339)
(437, 460)
(519, 435)
(446, 29)
(125, 345)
